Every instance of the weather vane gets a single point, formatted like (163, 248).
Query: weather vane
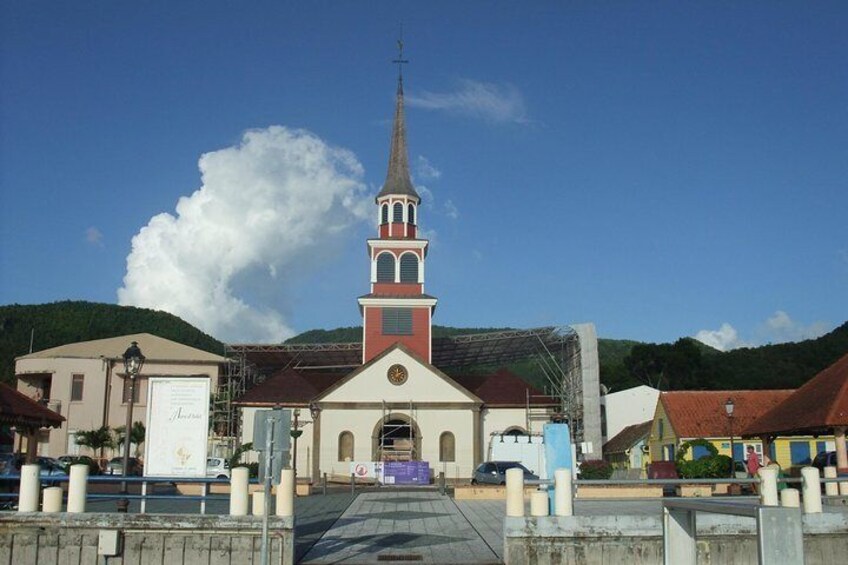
(400, 61)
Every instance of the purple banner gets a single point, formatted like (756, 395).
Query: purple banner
(406, 473)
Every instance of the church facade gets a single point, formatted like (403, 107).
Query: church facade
(396, 405)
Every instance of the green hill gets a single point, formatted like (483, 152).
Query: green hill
(59, 323)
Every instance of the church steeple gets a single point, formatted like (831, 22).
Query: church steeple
(398, 181)
(397, 310)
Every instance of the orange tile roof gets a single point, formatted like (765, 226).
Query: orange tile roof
(817, 407)
(701, 413)
(17, 409)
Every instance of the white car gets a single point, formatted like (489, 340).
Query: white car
(217, 468)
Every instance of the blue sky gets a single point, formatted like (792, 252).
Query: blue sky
(659, 169)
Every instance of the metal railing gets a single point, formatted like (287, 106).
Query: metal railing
(779, 534)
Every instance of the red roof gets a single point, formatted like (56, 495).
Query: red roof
(292, 387)
(628, 437)
(817, 407)
(289, 387)
(17, 409)
(502, 388)
(695, 414)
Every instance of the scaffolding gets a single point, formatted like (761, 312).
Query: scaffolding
(396, 440)
(556, 351)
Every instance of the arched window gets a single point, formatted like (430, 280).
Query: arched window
(386, 267)
(397, 216)
(447, 447)
(410, 214)
(346, 446)
(384, 214)
(409, 268)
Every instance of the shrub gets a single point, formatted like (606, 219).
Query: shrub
(595, 470)
(712, 466)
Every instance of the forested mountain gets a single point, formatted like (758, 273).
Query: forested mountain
(59, 323)
(684, 364)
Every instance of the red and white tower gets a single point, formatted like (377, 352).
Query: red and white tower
(397, 310)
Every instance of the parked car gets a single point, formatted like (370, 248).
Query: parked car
(824, 459)
(68, 460)
(115, 466)
(11, 463)
(494, 472)
(217, 468)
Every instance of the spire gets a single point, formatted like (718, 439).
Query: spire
(397, 177)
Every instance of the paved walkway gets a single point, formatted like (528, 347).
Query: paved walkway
(423, 527)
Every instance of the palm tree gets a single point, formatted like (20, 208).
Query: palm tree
(137, 434)
(100, 438)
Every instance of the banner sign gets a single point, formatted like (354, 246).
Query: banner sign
(406, 473)
(177, 427)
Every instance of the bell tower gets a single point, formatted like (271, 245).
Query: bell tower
(397, 310)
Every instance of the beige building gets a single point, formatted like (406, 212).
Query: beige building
(85, 382)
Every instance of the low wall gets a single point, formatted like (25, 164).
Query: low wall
(50, 539)
(619, 491)
(588, 540)
(486, 492)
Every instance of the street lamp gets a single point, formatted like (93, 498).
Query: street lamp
(728, 407)
(133, 361)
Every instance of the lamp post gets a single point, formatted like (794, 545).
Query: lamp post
(296, 431)
(133, 361)
(728, 407)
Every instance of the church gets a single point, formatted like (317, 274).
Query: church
(400, 394)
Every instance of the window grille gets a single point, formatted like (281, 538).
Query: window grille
(398, 212)
(384, 214)
(409, 268)
(386, 267)
(411, 214)
(397, 321)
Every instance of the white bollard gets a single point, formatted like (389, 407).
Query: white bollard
(790, 498)
(831, 489)
(239, 479)
(563, 495)
(812, 490)
(258, 508)
(77, 488)
(285, 493)
(30, 488)
(539, 502)
(515, 492)
(52, 499)
(768, 486)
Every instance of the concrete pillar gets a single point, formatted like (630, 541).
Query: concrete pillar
(285, 493)
(563, 496)
(77, 488)
(515, 492)
(239, 479)
(52, 499)
(258, 508)
(790, 498)
(831, 489)
(30, 488)
(812, 490)
(841, 452)
(539, 503)
(768, 486)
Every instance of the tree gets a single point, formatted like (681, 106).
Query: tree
(666, 366)
(98, 439)
(137, 435)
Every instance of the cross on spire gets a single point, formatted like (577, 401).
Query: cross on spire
(400, 61)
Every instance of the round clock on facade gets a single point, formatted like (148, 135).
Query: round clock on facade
(397, 374)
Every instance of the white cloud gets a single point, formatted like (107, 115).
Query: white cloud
(275, 204)
(778, 328)
(723, 339)
(451, 210)
(425, 170)
(94, 236)
(483, 100)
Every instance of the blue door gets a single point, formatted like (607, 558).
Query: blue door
(738, 452)
(799, 452)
